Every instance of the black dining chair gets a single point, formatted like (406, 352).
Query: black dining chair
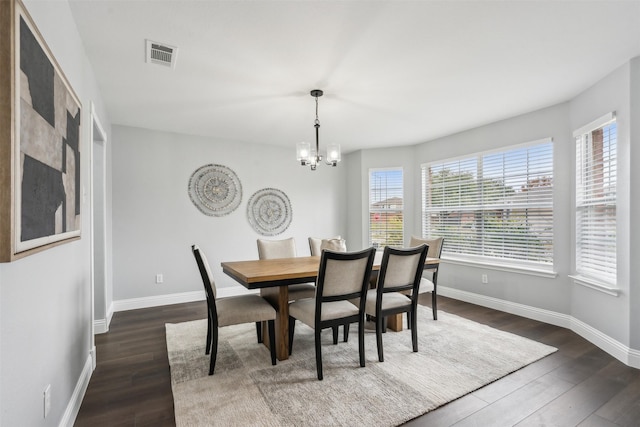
(400, 271)
(342, 276)
(232, 311)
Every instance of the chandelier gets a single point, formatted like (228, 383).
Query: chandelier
(308, 155)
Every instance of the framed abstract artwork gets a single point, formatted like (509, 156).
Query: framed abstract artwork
(40, 188)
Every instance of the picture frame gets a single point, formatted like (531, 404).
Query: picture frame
(40, 142)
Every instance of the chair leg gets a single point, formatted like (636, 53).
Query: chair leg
(409, 319)
(214, 350)
(208, 349)
(345, 338)
(272, 340)
(361, 340)
(334, 329)
(379, 329)
(292, 327)
(318, 354)
(259, 332)
(414, 331)
(434, 304)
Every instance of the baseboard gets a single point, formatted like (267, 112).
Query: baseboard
(101, 326)
(159, 300)
(614, 347)
(529, 312)
(73, 407)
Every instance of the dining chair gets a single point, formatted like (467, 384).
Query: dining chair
(285, 248)
(400, 271)
(429, 285)
(342, 276)
(316, 245)
(232, 311)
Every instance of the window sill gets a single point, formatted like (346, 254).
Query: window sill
(489, 265)
(598, 286)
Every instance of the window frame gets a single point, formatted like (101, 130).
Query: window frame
(388, 210)
(596, 278)
(545, 269)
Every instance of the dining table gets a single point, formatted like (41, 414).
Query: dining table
(272, 278)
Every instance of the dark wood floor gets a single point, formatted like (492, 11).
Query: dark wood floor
(579, 385)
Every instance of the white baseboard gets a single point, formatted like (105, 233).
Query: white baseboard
(73, 407)
(159, 300)
(101, 326)
(529, 312)
(615, 348)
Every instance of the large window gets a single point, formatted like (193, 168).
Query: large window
(596, 172)
(493, 206)
(386, 217)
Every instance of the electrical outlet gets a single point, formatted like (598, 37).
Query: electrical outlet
(159, 278)
(47, 400)
(485, 278)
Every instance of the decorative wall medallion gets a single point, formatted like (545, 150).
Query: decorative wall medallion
(215, 190)
(269, 211)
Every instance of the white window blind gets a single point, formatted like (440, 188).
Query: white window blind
(596, 174)
(386, 216)
(493, 205)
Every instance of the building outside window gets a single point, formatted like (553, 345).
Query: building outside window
(493, 207)
(386, 208)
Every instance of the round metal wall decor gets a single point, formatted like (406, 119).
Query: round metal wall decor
(215, 190)
(269, 211)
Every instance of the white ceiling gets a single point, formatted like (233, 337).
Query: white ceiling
(393, 72)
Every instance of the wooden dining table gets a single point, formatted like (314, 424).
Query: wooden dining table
(272, 278)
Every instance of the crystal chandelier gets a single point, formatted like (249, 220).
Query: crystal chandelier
(311, 156)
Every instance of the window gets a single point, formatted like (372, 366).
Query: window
(386, 217)
(494, 206)
(596, 173)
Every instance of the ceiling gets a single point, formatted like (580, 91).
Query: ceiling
(393, 72)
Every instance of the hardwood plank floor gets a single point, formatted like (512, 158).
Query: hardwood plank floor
(579, 385)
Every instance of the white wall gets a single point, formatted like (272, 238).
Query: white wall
(634, 208)
(156, 223)
(45, 299)
(610, 94)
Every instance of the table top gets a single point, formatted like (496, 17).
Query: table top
(254, 274)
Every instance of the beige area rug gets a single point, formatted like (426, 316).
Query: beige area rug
(456, 356)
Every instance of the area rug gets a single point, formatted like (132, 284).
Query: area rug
(456, 356)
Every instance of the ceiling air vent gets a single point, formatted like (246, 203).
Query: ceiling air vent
(158, 53)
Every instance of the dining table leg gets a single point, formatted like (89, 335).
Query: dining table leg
(278, 297)
(394, 322)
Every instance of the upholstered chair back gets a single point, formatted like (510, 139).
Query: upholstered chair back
(272, 249)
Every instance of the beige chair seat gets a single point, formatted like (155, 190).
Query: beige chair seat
(301, 291)
(426, 285)
(305, 310)
(390, 300)
(243, 309)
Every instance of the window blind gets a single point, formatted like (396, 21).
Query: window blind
(386, 216)
(596, 174)
(493, 205)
